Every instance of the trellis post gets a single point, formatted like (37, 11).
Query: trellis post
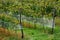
(20, 10)
(53, 15)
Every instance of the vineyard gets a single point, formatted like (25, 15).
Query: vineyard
(29, 19)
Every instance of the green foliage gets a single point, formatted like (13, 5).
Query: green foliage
(48, 9)
(30, 8)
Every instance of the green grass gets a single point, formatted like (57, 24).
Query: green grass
(57, 33)
(38, 34)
